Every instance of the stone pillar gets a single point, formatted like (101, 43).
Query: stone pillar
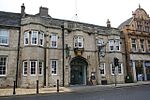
(134, 71)
(144, 71)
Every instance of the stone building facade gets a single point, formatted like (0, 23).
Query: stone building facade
(9, 33)
(75, 53)
(136, 31)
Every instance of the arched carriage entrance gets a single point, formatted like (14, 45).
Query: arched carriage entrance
(78, 71)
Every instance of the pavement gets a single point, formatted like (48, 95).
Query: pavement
(79, 88)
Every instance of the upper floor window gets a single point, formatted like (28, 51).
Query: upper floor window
(142, 45)
(146, 25)
(54, 67)
(26, 38)
(78, 42)
(139, 25)
(41, 38)
(114, 45)
(102, 69)
(4, 35)
(34, 37)
(3, 66)
(133, 44)
(111, 45)
(54, 40)
(117, 45)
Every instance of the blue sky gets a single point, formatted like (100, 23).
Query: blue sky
(89, 11)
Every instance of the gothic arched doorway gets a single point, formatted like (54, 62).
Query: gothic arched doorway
(78, 71)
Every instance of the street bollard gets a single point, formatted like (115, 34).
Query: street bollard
(14, 88)
(57, 85)
(37, 86)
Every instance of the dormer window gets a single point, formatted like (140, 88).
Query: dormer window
(78, 42)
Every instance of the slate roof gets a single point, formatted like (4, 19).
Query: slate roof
(10, 19)
(125, 23)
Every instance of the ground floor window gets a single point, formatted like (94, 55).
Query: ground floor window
(25, 66)
(54, 67)
(117, 69)
(102, 69)
(40, 68)
(35, 67)
(2, 66)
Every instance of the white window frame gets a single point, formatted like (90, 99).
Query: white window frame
(26, 37)
(25, 67)
(78, 42)
(40, 71)
(121, 66)
(54, 68)
(4, 35)
(135, 43)
(104, 70)
(34, 34)
(142, 45)
(111, 44)
(4, 65)
(111, 68)
(35, 68)
(41, 38)
(116, 69)
(117, 43)
(54, 37)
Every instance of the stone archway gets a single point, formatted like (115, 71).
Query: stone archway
(78, 72)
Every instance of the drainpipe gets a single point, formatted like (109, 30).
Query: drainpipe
(18, 49)
(45, 64)
(63, 76)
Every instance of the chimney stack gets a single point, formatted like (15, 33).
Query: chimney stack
(108, 23)
(23, 10)
(43, 12)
